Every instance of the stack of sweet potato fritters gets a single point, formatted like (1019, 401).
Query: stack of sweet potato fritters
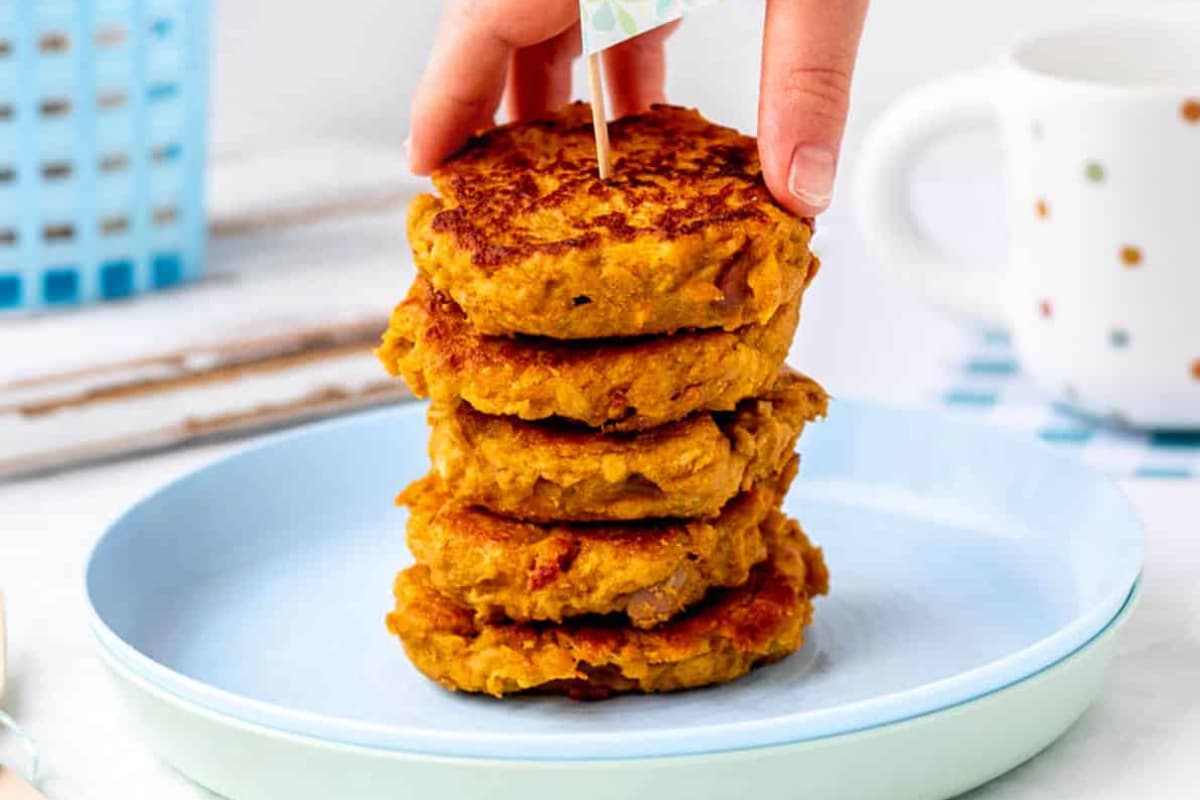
(613, 429)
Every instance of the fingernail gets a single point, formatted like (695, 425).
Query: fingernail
(408, 151)
(811, 174)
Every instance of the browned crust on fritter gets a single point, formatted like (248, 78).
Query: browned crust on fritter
(627, 384)
(527, 239)
(648, 570)
(552, 471)
(729, 633)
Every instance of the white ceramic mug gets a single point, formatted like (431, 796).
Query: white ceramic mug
(1101, 128)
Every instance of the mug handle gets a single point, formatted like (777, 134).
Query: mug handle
(951, 107)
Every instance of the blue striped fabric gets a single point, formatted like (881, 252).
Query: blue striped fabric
(987, 383)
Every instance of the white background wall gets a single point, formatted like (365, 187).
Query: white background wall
(291, 71)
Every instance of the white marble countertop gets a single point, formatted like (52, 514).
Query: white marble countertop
(1140, 739)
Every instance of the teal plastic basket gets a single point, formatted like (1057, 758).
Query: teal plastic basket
(103, 107)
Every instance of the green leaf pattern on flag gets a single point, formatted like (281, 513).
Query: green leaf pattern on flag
(608, 22)
(628, 23)
(602, 19)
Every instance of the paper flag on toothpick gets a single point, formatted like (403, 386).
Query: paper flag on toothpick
(608, 22)
(604, 23)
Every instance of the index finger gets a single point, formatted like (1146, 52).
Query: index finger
(464, 79)
(809, 49)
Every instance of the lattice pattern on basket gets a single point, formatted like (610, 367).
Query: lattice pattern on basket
(102, 133)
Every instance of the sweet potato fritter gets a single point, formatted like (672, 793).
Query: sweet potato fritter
(648, 570)
(527, 239)
(548, 471)
(620, 384)
(730, 632)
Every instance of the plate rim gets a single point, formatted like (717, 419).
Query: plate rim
(1000, 672)
(1114, 627)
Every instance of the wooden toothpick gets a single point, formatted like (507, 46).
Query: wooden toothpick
(599, 117)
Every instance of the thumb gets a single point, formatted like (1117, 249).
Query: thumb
(809, 47)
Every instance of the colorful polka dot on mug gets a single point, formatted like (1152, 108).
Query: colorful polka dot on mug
(1190, 111)
(1196, 369)
(1042, 209)
(1094, 172)
(1046, 308)
(1131, 256)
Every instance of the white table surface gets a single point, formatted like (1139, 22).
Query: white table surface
(862, 336)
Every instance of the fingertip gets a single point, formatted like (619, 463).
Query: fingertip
(810, 179)
(797, 185)
(407, 145)
(429, 144)
(809, 49)
(443, 121)
(795, 206)
(799, 148)
(421, 161)
(424, 121)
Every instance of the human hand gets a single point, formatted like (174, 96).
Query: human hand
(522, 50)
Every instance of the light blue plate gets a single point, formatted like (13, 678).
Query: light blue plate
(964, 559)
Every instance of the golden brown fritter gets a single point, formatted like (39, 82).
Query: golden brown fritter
(649, 570)
(730, 632)
(527, 239)
(621, 384)
(550, 471)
